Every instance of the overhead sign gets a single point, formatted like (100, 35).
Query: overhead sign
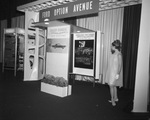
(78, 8)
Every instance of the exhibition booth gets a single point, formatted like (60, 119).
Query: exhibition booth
(59, 49)
(49, 40)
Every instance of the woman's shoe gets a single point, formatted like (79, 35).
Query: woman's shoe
(116, 100)
(113, 103)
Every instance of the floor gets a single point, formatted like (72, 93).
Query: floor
(21, 100)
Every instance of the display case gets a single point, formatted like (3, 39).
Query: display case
(13, 49)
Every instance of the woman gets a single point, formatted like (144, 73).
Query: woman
(114, 71)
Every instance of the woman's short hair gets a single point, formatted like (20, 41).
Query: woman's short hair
(117, 44)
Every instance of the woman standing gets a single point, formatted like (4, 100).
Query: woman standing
(114, 71)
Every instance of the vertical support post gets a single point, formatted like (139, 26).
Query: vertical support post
(142, 69)
(16, 42)
(3, 51)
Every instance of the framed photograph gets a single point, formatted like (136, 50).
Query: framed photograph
(84, 53)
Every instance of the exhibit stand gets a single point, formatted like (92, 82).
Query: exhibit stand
(70, 50)
(13, 50)
(56, 48)
(41, 30)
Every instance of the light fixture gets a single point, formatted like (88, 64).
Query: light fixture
(46, 21)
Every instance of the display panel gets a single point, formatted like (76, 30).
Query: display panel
(9, 55)
(57, 51)
(84, 53)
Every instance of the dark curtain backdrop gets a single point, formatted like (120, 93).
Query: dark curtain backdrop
(8, 9)
(130, 37)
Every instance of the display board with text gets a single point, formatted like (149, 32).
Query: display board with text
(57, 51)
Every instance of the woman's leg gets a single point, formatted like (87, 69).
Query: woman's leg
(112, 93)
(115, 94)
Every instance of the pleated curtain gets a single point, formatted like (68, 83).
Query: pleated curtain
(18, 22)
(3, 24)
(110, 23)
(15, 22)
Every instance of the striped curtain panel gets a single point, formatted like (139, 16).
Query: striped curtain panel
(3, 24)
(110, 23)
(18, 22)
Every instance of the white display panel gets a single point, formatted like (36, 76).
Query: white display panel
(57, 50)
(57, 65)
(84, 53)
(99, 56)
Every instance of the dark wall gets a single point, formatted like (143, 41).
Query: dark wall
(8, 8)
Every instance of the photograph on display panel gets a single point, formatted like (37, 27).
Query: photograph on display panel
(84, 53)
(57, 45)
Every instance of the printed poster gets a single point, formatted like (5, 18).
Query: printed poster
(57, 41)
(84, 53)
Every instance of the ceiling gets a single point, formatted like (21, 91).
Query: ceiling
(103, 4)
(42, 4)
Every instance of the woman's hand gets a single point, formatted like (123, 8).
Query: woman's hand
(117, 76)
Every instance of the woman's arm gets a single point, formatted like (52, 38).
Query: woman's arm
(119, 63)
(119, 66)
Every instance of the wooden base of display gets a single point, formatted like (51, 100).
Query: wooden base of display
(56, 90)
